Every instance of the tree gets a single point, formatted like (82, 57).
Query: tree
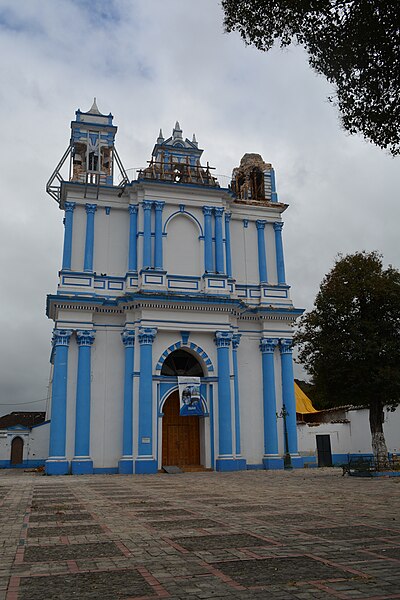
(350, 342)
(355, 44)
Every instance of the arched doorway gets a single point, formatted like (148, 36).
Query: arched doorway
(180, 435)
(17, 451)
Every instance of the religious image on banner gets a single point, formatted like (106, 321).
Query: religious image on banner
(189, 396)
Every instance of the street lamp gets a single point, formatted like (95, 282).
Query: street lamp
(287, 461)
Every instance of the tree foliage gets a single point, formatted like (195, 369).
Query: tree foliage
(355, 44)
(350, 341)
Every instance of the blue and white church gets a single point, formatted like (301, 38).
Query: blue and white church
(170, 274)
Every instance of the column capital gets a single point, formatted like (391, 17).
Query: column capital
(286, 346)
(159, 205)
(61, 337)
(147, 335)
(128, 338)
(228, 216)
(223, 339)
(236, 340)
(133, 208)
(147, 204)
(278, 225)
(69, 206)
(268, 345)
(260, 223)
(91, 208)
(207, 211)
(85, 337)
(219, 211)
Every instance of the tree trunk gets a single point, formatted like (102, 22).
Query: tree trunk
(379, 447)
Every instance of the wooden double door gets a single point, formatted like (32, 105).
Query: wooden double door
(180, 436)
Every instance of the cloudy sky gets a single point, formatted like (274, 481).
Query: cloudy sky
(151, 63)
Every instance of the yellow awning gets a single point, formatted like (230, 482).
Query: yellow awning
(303, 402)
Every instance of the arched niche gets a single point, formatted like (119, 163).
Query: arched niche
(183, 255)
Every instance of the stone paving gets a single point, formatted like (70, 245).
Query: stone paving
(255, 534)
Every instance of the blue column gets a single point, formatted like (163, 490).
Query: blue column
(219, 243)
(57, 463)
(82, 463)
(132, 259)
(280, 262)
(289, 399)
(271, 459)
(158, 244)
(225, 461)
(240, 462)
(262, 257)
(68, 226)
(147, 204)
(89, 244)
(126, 463)
(208, 253)
(145, 462)
(228, 216)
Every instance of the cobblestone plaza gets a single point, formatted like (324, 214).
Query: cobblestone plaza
(252, 534)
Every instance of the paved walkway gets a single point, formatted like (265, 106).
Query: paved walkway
(255, 534)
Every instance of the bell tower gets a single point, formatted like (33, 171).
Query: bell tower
(92, 153)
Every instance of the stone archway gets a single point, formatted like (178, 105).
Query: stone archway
(17, 450)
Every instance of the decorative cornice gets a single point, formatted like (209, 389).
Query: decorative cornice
(147, 335)
(133, 208)
(278, 225)
(61, 337)
(219, 211)
(260, 223)
(85, 337)
(69, 206)
(286, 346)
(268, 345)
(91, 208)
(128, 338)
(223, 339)
(236, 340)
(207, 211)
(159, 205)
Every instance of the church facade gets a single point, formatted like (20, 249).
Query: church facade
(168, 275)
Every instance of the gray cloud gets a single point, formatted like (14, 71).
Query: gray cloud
(150, 63)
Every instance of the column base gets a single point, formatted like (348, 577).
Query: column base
(144, 467)
(226, 464)
(273, 463)
(241, 464)
(297, 461)
(56, 467)
(125, 466)
(81, 467)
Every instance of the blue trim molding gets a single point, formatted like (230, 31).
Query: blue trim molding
(191, 346)
(145, 462)
(132, 256)
(57, 464)
(125, 465)
(89, 242)
(271, 459)
(225, 461)
(262, 257)
(82, 463)
(69, 208)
